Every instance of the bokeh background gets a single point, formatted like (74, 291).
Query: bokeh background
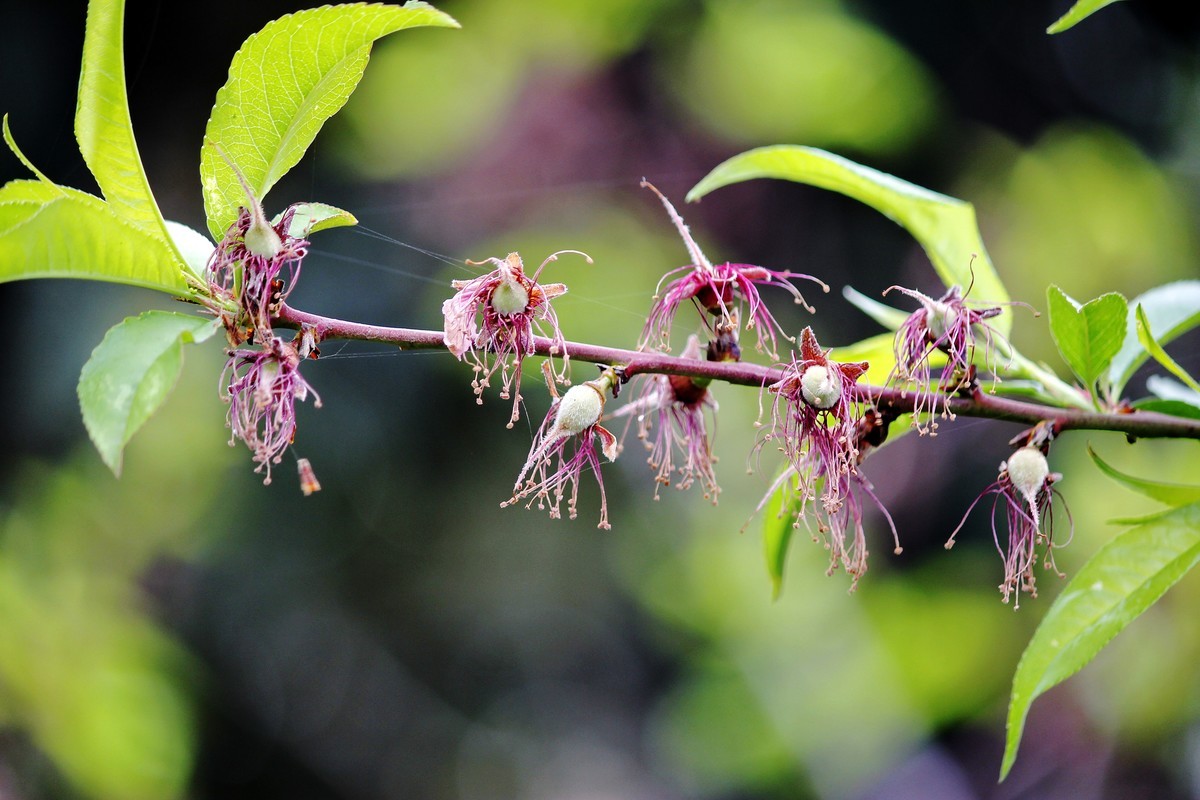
(187, 632)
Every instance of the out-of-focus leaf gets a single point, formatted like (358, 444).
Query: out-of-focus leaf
(1154, 348)
(1166, 389)
(130, 374)
(313, 217)
(1171, 309)
(1077, 13)
(885, 315)
(1176, 408)
(779, 522)
(49, 231)
(102, 124)
(1088, 335)
(879, 352)
(1121, 581)
(944, 226)
(1173, 494)
(284, 83)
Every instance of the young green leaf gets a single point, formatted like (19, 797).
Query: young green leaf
(1171, 309)
(1154, 348)
(1121, 581)
(1176, 408)
(944, 226)
(1173, 494)
(1088, 336)
(130, 374)
(49, 231)
(779, 522)
(102, 124)
(1078, 13)
(885, 315)
(284, 83)
(309, 218)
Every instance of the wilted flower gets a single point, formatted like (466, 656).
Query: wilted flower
(1026, 488)
(816, 424)
(263, 387)
(256, 264)
(721, 290)
(948, 325)
(670, 419)
(572, 422)
(491, 320)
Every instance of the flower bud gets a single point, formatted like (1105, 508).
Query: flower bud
(1028, 470)
(820, 386)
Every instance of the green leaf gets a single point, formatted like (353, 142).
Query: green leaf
(1152, 346)
(130, 374)
(885, 315)
(1172, 309)
(1077, 13)
(312, 217)
(1173, 494)
(944, 226)
(1176, 408)
(102, 124)
(284, 83)
(49, 231)
(1088, 336)
(778, 526)
(1121, 581)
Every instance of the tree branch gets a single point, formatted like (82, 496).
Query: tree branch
(1134, 424)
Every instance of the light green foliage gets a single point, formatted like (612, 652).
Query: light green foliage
(130, 374)
(1078, 13)
(86, 673)
(1088, 335)
(284, 83)
(805, 72)
(49, 231)
(1171, 310)
(102, 124)
(756, 661)
(1122, 580)
(1085, 198)
(312, 217)
(885, 315)
(1173, 494)
(401, 123)
(779, 523)
(944, 226)
(1154, 348)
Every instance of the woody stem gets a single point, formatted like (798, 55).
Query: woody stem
(1134, 424)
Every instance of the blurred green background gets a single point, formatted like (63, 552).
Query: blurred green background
(187, 632)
